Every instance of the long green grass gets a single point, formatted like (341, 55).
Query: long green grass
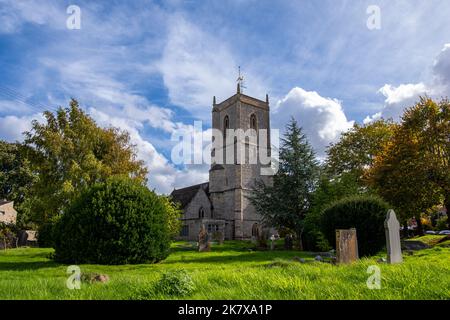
(230, 271)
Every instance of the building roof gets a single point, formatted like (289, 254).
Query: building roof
(2, 202)
(185, 195)
(217, 167)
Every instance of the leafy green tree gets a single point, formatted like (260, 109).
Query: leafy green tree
(285, 203)
(174, 214)
(356, 149)
(16, 178)
(328, 191)
(70, 153)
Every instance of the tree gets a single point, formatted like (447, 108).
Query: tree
(429, 123)
(357, 148)
(16, 177)
(119, 221)
(70, 153)
(285, 203)
(174, 214)
(328, 191)
(407, 171)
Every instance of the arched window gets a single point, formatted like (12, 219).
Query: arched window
(201, 213)
(253, 123)
(255, 230)
(226, 125)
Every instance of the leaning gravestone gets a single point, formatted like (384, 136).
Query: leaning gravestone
(346, 246)
(393, 244)
(204, 244)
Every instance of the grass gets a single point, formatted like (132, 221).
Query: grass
(230, 271)
(431, 240)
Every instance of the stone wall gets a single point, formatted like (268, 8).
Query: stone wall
(7, 213)
(191, 217)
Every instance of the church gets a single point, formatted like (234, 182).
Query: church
(222, 204)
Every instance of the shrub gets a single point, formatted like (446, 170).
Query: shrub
(313, 238)
(115, 222)
(46, 233)
(174, 213)
(365, 213)
(441, 224)
(175, 283)
(8, 235)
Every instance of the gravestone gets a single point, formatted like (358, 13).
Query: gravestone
(288, 242)
(204, 244)
(263, 236)
(272, 242)
(346, 246)
(393, 244)
(218, 236)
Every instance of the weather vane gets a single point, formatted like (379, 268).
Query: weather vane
(240, 81)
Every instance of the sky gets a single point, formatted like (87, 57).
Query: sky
(153, 67)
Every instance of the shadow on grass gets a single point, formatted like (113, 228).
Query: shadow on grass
(24, 266)
(256, 256)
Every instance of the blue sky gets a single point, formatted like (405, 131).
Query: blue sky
(152, 67)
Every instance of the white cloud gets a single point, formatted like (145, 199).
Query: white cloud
(13, 127)
(14, 14)
(372, 118)
(398, 98)
(441, 69)
(395, 95)
(163, 175)
(322, 119)
(401, 97)
(197, 66)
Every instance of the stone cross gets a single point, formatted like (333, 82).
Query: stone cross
(346, 246)
(393, 245)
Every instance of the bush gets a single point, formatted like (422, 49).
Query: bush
(441, 224)
(313, 238)
(116, 222)
(175, 283)
(46, 233)
(8, 235)
(365, 213)
(174, 213)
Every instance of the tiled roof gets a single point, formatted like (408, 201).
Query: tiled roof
(2, 202)
(185, 195)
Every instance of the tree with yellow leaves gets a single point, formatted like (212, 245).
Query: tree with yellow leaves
(411, 171)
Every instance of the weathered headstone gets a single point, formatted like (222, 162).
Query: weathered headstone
(346, 246)
(288, 242)
(218, 236)
(203, 240)
(393, 244)
(263, 235)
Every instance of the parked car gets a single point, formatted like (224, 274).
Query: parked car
(444, 232)
(430, 232)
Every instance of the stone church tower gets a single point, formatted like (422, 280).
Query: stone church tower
(221, 205)
(231, 182)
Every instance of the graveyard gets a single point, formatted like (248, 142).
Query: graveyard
(234, 270)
